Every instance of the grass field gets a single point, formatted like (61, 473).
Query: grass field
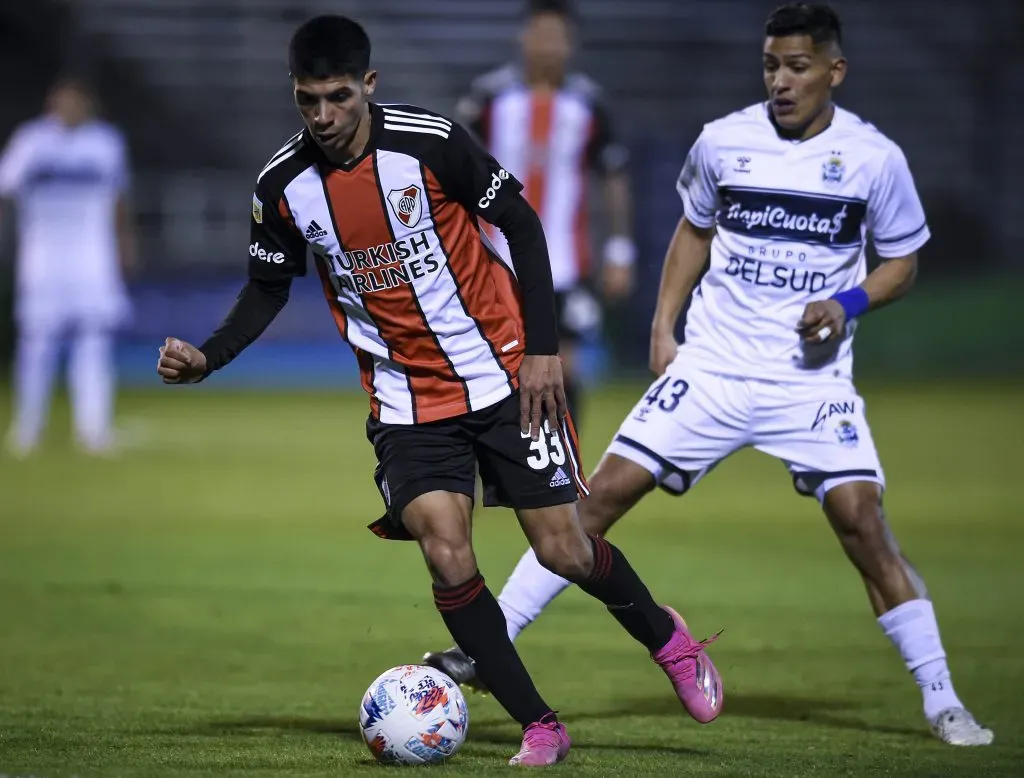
(212, 604)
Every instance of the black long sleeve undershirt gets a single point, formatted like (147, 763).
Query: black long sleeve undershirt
(528, 248)
(257, 305)
(260, 301)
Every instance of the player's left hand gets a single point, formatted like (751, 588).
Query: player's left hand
(541, 393)
(616, 281)
(823, 320)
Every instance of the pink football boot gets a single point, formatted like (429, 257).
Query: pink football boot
(544, 743)
(694, 677)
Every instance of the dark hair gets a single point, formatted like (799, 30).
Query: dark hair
(563, 8)
(816, 20)
(328, 46)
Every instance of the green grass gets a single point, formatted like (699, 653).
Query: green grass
(212, 604)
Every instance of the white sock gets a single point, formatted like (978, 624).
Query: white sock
(34, 373)
(527, 592)
(91, 380)
(913, 630)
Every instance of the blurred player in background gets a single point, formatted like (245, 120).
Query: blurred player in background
(459, 356)
(550, 127)
(67, 174)
(783, 195)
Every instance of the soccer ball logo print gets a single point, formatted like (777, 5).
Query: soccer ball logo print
(407, 205)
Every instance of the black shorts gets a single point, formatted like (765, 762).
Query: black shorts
(516, 471)
(579, 313)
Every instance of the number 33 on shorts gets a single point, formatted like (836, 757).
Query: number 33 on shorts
(547, 449)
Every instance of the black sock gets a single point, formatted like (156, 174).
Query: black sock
(475, 621)
(571, 387)
(617, 585)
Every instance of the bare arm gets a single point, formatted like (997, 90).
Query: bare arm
(686, 257)
(890, 281)
(826, 319)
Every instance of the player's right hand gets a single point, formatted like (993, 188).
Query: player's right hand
(180, 362)
(663, 350)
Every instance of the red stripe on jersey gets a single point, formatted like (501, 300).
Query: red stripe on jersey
(486, 287)
(364, 360)
(360, 220)
(541, 110)
(286, 212)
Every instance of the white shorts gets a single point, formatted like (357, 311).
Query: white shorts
(691, 419)
(41, 311)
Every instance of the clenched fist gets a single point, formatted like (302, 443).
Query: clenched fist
(180, 362)
(823, 320)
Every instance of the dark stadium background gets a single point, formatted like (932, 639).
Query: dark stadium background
(201, 88)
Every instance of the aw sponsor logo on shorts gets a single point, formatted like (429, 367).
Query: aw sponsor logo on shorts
(829, 409)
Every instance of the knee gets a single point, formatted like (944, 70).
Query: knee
(859, 523)
(567, 554)
(451, 560)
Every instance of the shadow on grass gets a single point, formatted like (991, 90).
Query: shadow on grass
(499, 732)
(771, 707)
(491, 732)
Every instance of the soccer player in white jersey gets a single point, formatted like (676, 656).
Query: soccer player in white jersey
(783, 194)
(67, 174)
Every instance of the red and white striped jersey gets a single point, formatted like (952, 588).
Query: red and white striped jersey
(550, 140)
(433, 316)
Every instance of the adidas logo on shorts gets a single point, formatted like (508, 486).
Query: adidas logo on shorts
(559, 479)
(314, 231)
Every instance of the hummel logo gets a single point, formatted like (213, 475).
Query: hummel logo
(559, 479)
(314, 231)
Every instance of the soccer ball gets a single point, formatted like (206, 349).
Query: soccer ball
(413, 715)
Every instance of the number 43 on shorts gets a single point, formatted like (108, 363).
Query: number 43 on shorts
(547, 448)
(667, 393)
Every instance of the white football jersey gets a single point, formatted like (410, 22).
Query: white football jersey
(66, 182)
(791, 219)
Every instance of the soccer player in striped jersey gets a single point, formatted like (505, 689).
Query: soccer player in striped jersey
(550, 127)
(782, 197)
(458, 355)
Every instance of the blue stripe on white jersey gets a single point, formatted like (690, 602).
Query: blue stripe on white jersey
(792, 223)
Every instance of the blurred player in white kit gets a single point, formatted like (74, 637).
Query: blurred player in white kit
(67, 175)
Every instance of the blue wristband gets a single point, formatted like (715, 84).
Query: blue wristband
(854, 301)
